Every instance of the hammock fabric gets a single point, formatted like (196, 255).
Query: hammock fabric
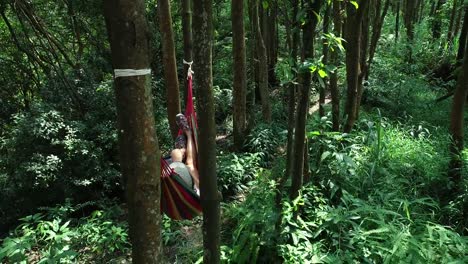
(178, 199)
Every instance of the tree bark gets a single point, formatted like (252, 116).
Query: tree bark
(364, 43)
(203, 44)
(376, 32)
(188, 39)
(262, 65)
(291, 97)
(456, 125)
(240, 73)
(303, 107)
(139, 151)
(451, 28)
(397, 21)
(352, 33)
(325, 49)
(170, 65)
(463, 36)
(334, 91)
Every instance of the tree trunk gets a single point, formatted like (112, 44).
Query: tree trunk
(451, 28)
(462, 39)
(325, 49)
(456, 126)
(458, 20)
(397, 21)
(203, 43)
(139, 151)
(363, 57)
(334, 90)
(292, 95)
(303, 106)
(187, 36)
(170, 65)
(272, 44)
(240, 73)
(262, 66)
(376, 32)
(253, 64)
(437, 20)
(408, 19)
(353, 55)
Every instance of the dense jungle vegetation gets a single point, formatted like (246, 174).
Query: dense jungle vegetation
(328, 131)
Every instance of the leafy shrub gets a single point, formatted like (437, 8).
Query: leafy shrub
(265, 139)
(366, 231)
(252, 225)
(54, 237)
(236, 170)
(42, 152)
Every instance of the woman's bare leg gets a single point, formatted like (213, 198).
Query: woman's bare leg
(190, 158)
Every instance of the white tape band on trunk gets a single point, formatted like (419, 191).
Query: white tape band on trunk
(130, 72)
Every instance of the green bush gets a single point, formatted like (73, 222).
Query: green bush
(55, 237)
(235, 171)
(251, 225)
(265, 139)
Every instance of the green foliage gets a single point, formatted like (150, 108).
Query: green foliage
(372, 231)
(54, 237)
(264, 139)
(252, 225)
(235, 171)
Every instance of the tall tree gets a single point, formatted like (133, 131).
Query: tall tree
(262, 63)
(456, 124)
(170, 64)
(397, 20)
(462, 40)
(139, 151)
(334, 90)
(352, 35)
(187, 35)
(364, 43)
(325, 50)
(308, 30)
(240, 73)
(378, 21)
(203, 44)
(453, 16)
(291, 98)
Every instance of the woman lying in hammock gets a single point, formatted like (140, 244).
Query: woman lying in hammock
(184, 148)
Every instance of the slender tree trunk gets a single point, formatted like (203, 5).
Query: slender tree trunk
(409, 14)
(325, 49)
(363, 57)
(397, 21)
(458, 20)
(187, 36)
(462, 39)
(451, 28)
(437, 20)
(170, 65)
(303, 106)
(376, 32)
(253, 69)
(292, 95)
(262, 66)
(272, 44)
(456, 125)
(139, 151)
(240, 73)
(334, 90)
(203, 43)
(353, 56)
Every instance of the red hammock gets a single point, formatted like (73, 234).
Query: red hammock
(178, 199)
